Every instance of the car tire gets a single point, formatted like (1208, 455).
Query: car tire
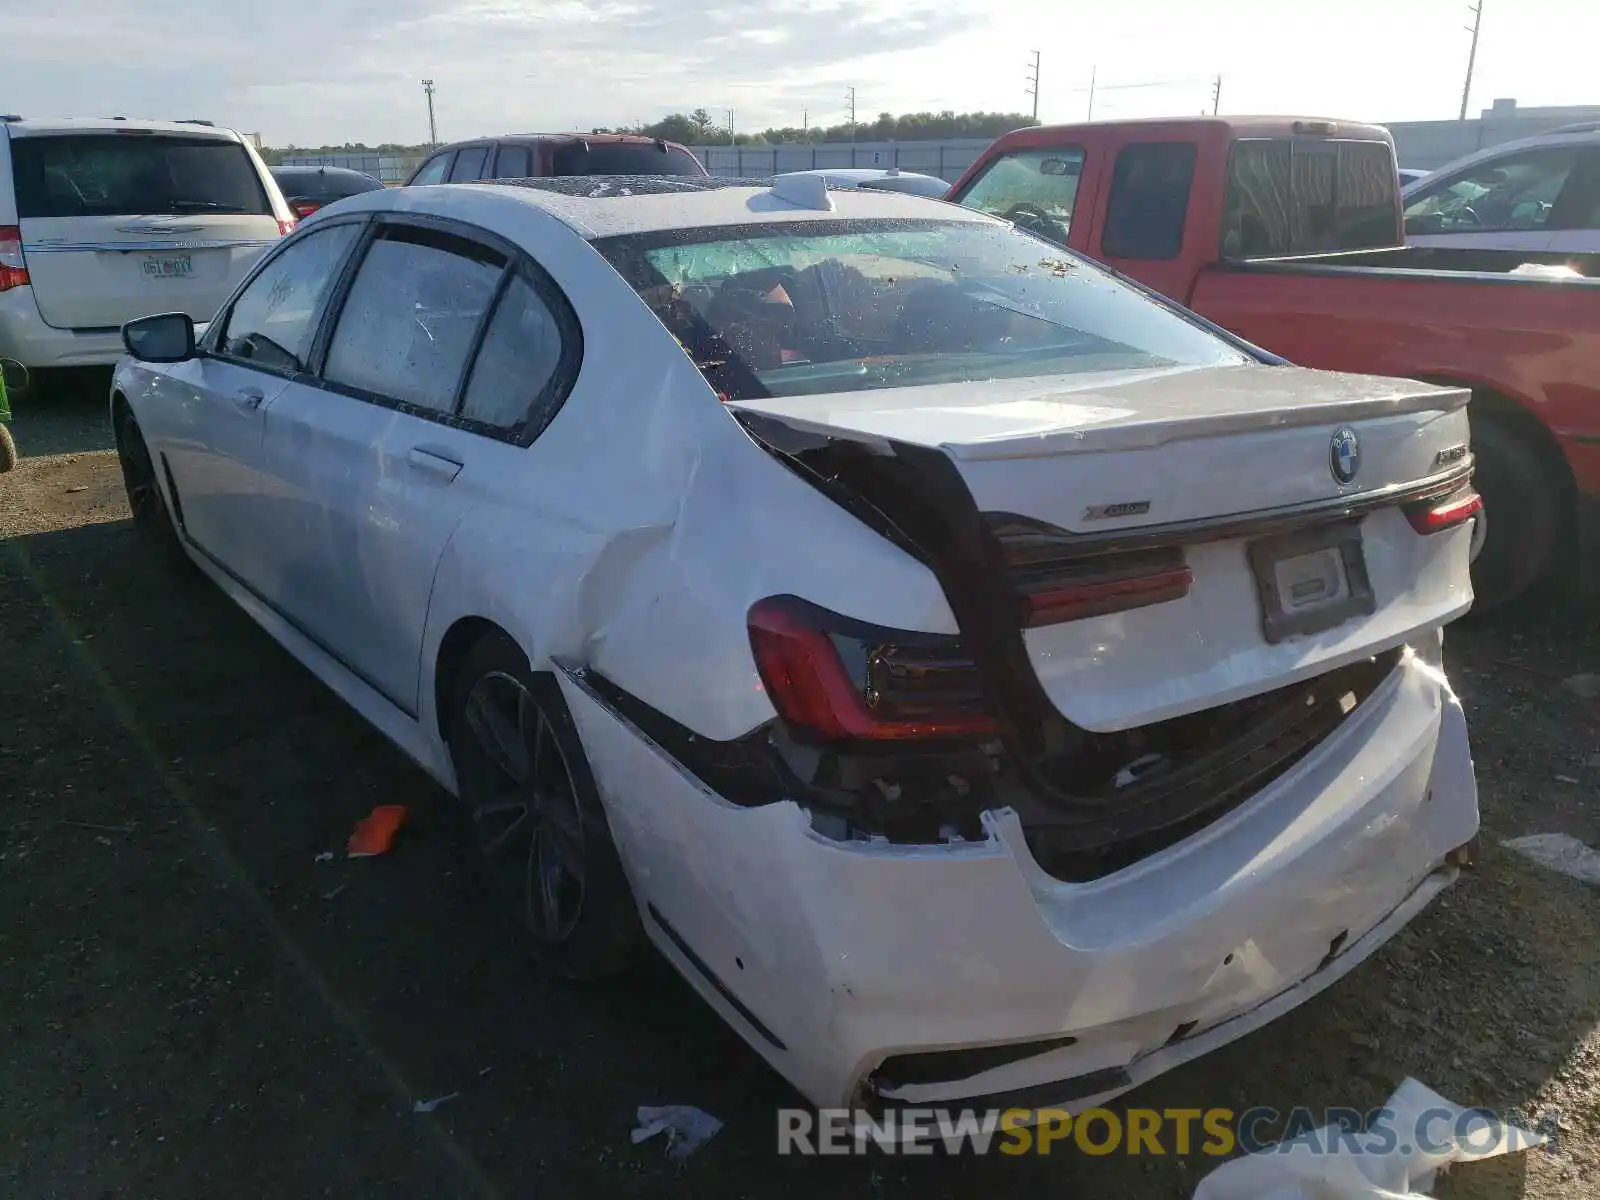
(147, 502)
(8, 450)
(530, 821)
(1522, 512)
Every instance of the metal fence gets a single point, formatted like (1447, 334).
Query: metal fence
(946, 158)
(386, 167)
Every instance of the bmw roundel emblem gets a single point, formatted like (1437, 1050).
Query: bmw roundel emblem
(1344, 454)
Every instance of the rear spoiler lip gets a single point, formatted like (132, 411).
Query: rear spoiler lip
(1262, 521)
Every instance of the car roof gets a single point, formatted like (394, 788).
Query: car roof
(594, 139)
(24, 126)
(598, 206)
(1580, 135)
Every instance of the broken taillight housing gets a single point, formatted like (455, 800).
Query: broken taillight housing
(1056, 582)
(836, 679)
(1445, 512)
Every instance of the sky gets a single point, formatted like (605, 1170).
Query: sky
(310, 72)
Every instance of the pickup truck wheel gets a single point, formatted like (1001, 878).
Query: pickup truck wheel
(532, 826)
(1522, 511)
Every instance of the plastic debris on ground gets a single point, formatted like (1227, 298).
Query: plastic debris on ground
(687, 1128)
(427, 1106)
(374, 833)
(1560, 853)
(1385, 1163)
(1585, 687)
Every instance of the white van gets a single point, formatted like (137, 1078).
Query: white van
(105, 219)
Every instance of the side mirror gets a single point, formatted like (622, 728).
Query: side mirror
(165, 338)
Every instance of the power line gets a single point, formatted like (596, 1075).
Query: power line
(1033, 86)
(1472, 55)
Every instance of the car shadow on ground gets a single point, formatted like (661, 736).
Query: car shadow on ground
(192, 998)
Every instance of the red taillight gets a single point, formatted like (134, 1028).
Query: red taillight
(303, 208)
(1433, 516)
(285, 228)
(836, 680)
(1056, 581)
(1104, 588)
(13, 267)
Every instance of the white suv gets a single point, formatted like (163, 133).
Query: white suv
(103, 220)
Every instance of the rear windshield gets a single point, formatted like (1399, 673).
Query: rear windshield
(623, 158)
(123, 174)
(849, 305)
(323, 185)
(1307, 196)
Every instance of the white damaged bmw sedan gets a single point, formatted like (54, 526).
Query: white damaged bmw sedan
(986, 682)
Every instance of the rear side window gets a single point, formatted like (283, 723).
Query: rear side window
(275, 318)
(1035, 189)
(127, 174)
(434, 170)
(408, 324)
(623, 158)
(513, 162)
(469, 164)
(1300, 196)
(1149, 200)
(513, 378)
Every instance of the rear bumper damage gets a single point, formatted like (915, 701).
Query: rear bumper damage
(873, 974)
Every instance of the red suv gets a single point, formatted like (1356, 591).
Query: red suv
(530, 155)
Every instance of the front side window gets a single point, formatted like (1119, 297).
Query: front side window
(1035, 189)
(434, 170)
(133, 173)
(407, 327)
(1517, 192)
(1149, 200)
(274, 320)
(853, 305)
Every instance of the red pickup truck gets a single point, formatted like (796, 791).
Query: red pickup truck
(1288, 233)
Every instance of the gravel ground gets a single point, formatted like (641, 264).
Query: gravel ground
(190, 1004)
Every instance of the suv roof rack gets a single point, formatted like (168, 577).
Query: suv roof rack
(10, 117)
(1576, 127)
(194, 121)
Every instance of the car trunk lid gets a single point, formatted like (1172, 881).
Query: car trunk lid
(1259, 508)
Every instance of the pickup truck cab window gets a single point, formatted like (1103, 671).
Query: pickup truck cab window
(1035, 189)
(1307, 196)
(1149, 200)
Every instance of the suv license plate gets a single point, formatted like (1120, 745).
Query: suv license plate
(1311, 580)
(168, 266)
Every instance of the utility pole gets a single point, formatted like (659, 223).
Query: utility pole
(851, 96)
(433, 133)
(1216, 96)
(1472, 55)
(805, 120)
(1033, 86)
(731, 140)
(1093, 71)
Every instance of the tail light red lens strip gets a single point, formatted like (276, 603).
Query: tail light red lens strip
(1434, 516)
(809, 685)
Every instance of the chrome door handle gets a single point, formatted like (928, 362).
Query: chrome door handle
(434, 460)
(249, 398)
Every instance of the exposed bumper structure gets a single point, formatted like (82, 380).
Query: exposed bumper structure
(856, 967)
